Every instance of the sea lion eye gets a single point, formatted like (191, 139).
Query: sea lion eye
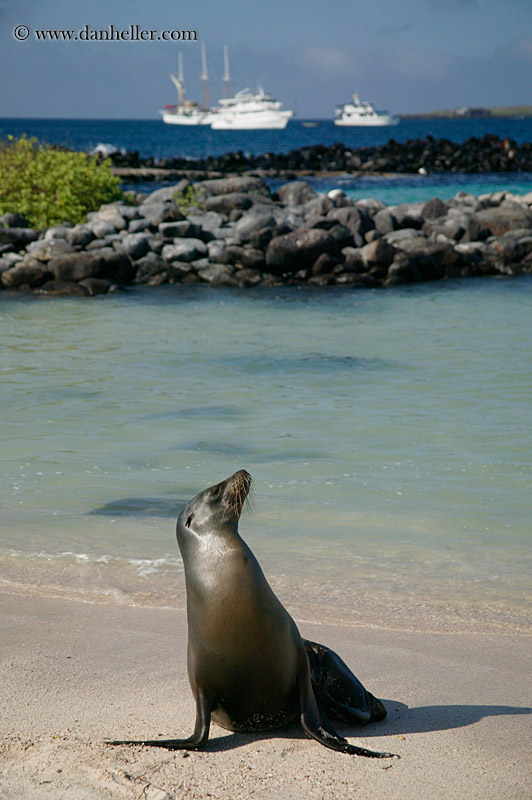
(215, 491)
(189, 520)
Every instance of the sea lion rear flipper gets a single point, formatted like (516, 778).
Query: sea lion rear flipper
(317, 726)
(338, 690)
(194, 742)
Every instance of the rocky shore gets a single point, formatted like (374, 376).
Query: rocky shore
(240, 234)
(486, 154)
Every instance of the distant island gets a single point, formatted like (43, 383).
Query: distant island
(468, 112)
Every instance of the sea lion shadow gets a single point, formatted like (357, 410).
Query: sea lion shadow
(427, 719)
(234, 740)
(400, 720)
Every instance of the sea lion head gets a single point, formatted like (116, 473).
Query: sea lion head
(218, 507)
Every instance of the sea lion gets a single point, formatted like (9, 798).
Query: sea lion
(249, 669)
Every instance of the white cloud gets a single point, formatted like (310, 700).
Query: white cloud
(330, 58)
(420, 64)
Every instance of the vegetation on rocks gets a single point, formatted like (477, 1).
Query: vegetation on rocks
(49, 186)
(189, 199)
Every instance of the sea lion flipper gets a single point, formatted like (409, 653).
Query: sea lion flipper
(317, 726)
(338, 690)
(195, 742)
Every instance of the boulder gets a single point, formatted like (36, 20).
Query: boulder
(319, 206)
(298, 249)
(506, 217)
(253, 259)
(384, 222)
(225, 203)
(296, 193)
(411, 268)
(341, 235)
(407, 215)
(25, 274)
(434, 208)
(216, 251)
(148, 266)
(217, 275)
(167, 193)
(79, 235)
(247, 277)
(324, 265)
(17, 236)
(253, 221)
(244, 184)
(13, 220)
(58, 287)
(57, 232)
(353, 261)
(398, 236)
(76, 266)
(129, 213)
(109, 213)
(135, 245)
(138, 225)
(95, 285)
(379, 252)
(454, 227)
(356, 220)
(210, 221)
(184, 250)
(45, 250)
(181, 229)
(370, 205)
(101, 228)
(158, 212)
(117, 267)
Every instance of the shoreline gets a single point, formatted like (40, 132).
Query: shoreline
(355, 604)
(75, 674)
(428, 155)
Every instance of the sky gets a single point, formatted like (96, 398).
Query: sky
(408, 56)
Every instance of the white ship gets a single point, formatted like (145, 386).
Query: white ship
(248, 110)
(188, 112)
(362, 113)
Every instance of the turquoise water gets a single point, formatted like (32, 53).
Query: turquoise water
(395, 189)
(389, 434)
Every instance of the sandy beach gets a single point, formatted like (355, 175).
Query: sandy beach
(73, 674)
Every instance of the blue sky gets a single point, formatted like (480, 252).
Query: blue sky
(405, 55)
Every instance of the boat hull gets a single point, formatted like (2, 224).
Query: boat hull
(366, 123)
(186, 119)
(238, 122)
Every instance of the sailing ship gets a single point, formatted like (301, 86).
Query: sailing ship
(247, 110)
(188, 112)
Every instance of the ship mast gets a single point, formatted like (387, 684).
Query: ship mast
(226, 71)
(179, 81)
(204, 77)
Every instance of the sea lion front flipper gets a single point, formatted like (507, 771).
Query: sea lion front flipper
(194, 742)
(338, 690)
(318, 727)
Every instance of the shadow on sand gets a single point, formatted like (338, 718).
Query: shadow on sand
(400, 720)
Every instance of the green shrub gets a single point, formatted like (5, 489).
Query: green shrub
(52, 186)
(189, 199)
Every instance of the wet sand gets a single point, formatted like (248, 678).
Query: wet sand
(73, 674)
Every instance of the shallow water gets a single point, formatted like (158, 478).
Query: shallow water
(388, 432)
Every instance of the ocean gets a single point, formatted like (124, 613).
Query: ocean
(388, 432)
